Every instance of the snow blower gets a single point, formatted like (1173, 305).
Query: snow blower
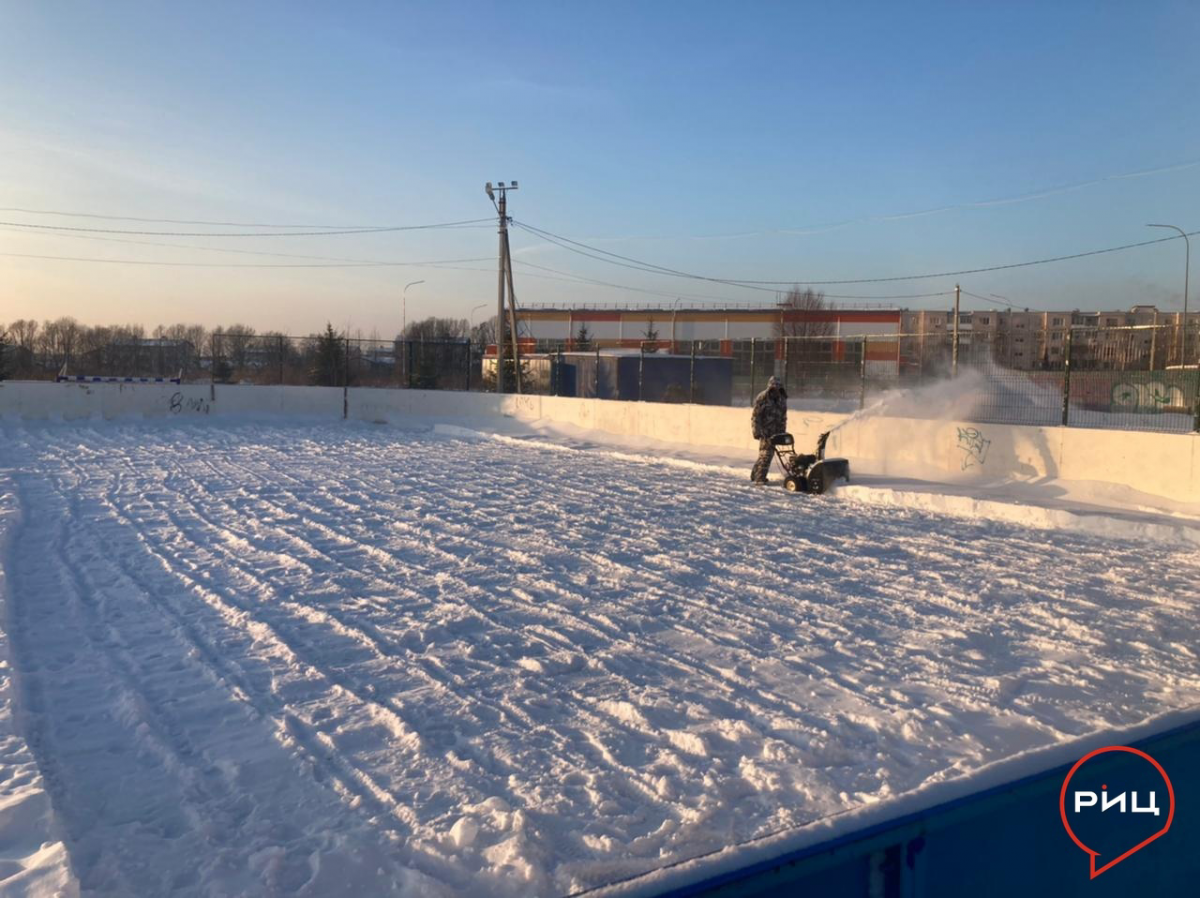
(804, 473)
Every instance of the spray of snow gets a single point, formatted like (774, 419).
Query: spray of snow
(943, 400)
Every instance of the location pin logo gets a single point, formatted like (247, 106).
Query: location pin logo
(1117, 818)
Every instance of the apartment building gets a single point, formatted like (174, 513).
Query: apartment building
(1026, 339)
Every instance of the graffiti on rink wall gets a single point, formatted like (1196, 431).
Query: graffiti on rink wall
(1149, 396)
(973, 445)
(196, 406)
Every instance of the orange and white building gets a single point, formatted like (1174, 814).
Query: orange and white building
(628, 327)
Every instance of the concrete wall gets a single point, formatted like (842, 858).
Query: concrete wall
(1159, 464)
(1163, 465)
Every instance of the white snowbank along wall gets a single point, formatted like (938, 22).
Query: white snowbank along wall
(1156, 464)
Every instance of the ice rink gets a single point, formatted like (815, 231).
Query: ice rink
(339, 657)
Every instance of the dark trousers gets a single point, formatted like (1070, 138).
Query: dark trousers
(766, 451)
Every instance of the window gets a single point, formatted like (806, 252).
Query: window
(1110, 322)
(985, 320)
(1018, 339)
(1056, 322)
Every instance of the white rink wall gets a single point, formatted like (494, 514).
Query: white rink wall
(1154, 464)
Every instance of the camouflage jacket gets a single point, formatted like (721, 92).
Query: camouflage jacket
(769, 415)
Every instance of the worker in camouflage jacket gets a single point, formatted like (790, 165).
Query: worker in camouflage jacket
(767, 418)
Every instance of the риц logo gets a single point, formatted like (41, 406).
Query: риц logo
(1112, 818)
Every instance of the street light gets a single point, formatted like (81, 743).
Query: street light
(482, 305)
(1187, 262)
(404, 306)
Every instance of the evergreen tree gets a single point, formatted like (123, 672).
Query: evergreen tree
(583, 339)
(5, 356)
(329, 362)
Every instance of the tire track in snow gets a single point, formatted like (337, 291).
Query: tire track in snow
(815, 657)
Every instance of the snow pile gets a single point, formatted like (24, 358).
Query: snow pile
(331, 659)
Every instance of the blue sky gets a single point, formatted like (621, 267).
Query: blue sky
(716, 138)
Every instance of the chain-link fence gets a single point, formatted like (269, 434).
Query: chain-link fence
(1122, 377)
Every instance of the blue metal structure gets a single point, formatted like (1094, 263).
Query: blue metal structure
(1004, 841)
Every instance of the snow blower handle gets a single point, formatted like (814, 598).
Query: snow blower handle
(821, 445)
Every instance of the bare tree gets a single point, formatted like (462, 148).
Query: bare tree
(23, 333)
(802, 315)
(235, 343)
(484, 332)
(437, 329)
(803, 323)
(59, 341)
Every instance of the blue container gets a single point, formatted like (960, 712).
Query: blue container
(1001, 842)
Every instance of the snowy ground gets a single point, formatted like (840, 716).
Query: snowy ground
(269, 659)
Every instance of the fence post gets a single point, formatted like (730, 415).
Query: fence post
(346, 383)
(597, 373)
(1066, 396)
(786, 361)
(753, 373)
(280, 338)
(1197, 424)
(212, 367)
(862, 375)
(641, 368)
(408, 364)
(692, 376)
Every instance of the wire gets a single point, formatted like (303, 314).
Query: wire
(997, 302)
(584, 249)
(807, 230)
(238, 264)
(567, 243)
(189, 221)
(581, 279)
(240, 252)
(443, 225)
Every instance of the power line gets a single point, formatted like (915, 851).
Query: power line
(226, 249)
(568, 244)
(189, 221)
(997, 302)
(434, 262)
(1041, 193)
(574, 278)
(426, 227)
(584, 249)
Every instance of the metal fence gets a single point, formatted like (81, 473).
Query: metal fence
(1120, 377)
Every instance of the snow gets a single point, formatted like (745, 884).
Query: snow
(321, 658)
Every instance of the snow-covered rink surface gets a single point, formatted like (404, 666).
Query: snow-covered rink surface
(323, 658)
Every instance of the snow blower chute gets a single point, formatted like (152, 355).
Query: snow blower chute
(804, 473)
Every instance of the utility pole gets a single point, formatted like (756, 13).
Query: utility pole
(512, 315)
(504, 278)
(954, 348)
